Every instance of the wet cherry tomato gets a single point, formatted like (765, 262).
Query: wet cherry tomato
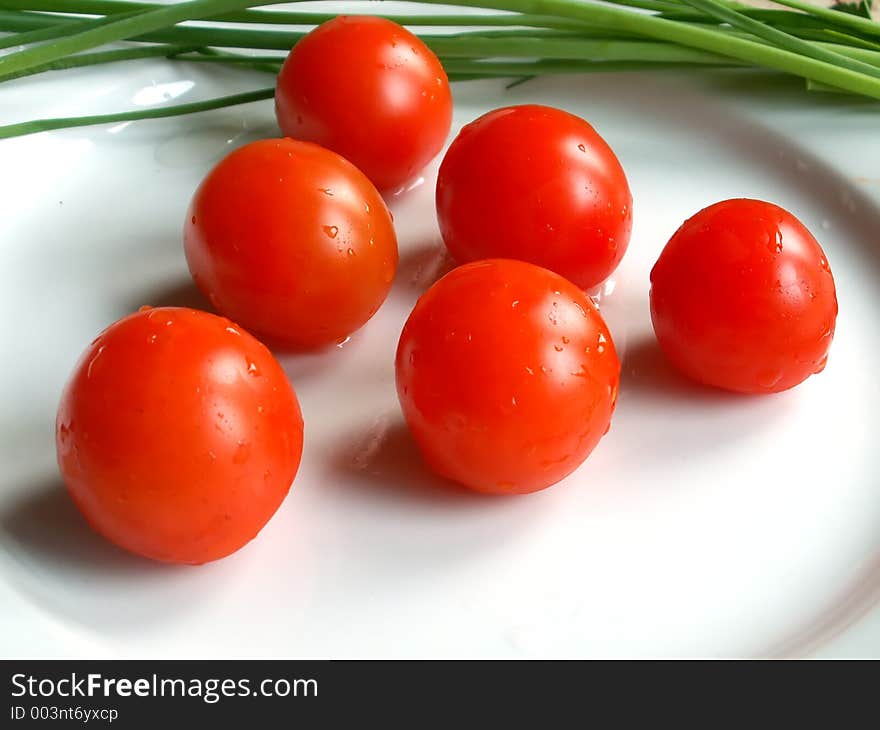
(178, 435)
(507, 376)
(742, 298)
(369, 90)
(291, 241)
(537, 184)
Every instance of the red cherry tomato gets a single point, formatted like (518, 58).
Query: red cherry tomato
(178, 435)
(507, 376)
(742, 298)
(369, 90)
(292, 241)
(537, 184)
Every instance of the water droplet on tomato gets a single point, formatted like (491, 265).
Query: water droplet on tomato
(94, 360)
(769, 378)
(242, 452)
(144, 308)
(341, 343)
(565, 340)
(233, 331)
(582, 147)
(774, 242)
(558, 348)
(253, 370)
(350, 252)
(152, 339)
(820, 366)
(331, 231)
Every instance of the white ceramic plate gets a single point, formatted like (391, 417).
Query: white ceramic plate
(704, 524)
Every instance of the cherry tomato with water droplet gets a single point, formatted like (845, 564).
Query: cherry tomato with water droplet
(292, 241)
(742, 298)
(178, 435)
(370, 90)
(537, 184)
(507, 376)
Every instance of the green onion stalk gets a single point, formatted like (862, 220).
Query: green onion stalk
(835, 49)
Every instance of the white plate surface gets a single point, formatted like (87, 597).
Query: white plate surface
(704, 524)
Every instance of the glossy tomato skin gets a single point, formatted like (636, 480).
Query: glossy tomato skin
(507, 376)
(291, 241)
(178, 435)
(537, 184)
(742, 298)
(371, 91)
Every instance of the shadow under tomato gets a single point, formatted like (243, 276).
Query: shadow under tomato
(386, 462)
(427, 525)
(661, 415)
(183, 293)
(47, 526)
(61, 564)
(645, 370)
(420, 265)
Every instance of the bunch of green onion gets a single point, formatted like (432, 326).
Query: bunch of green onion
(832, 49)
